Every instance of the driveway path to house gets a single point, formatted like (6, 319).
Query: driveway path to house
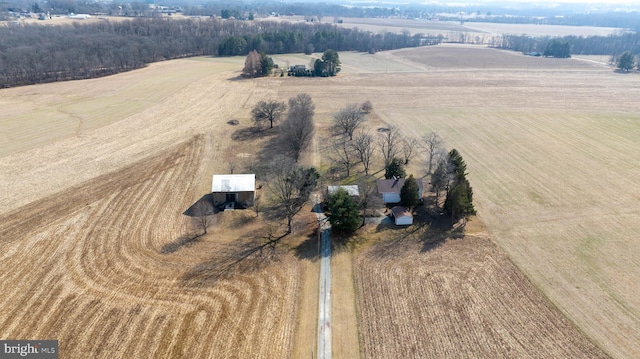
(324, 307)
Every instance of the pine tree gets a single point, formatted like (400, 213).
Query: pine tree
(395, 169)
(410, 193)
(343, 212)
(459, 201)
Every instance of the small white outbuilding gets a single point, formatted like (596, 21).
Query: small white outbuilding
(402, 216)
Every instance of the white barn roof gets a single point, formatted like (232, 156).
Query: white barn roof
(234, 183)
(352, 190)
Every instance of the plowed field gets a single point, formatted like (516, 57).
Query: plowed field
(89, 267)
(460, 299)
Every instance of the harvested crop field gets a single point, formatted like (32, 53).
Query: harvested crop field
(461, 298)
(108, 269)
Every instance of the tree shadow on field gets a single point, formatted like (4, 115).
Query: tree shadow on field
(252, 133)
(309, 249)
(245, 255)
(186, 240)
(429, 229)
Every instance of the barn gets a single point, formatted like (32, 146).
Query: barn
(401, 216)
(389, 189)
(233, 191)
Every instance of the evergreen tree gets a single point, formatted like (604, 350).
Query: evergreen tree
(331, 58)
(459, 201)
(395, 169)
(557, 48)
(343, 212)
(409, 193)
(626, 61)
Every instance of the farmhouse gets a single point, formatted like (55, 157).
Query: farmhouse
(401, 216)
(233, 191)
(389, 189)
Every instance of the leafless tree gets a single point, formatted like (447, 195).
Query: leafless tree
(252, 65)
(344, 154)
(366, 107)
(296, 132)
(291, 186)
(203, 210)
(434, 145)
(390, 143)
(363, 145)
(348, 119)
(408, 148)
(257, 204)
(369, 197)
(268, 111)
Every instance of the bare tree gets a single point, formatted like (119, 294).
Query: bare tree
(291, 186)
(363, 145)
(203, 210)
(434, 145)
(297, 130)
(366, 107)
(390, 142)
(343, 154)
(408, 148)
(369, 197)
(268, 111)
(348, 119)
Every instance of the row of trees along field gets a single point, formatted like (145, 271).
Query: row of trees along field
(585, 45)
(32, 54)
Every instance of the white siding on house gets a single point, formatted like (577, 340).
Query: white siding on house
(391, 198)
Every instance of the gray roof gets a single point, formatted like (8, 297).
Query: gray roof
(399, 211)
(393, 185)
(234, 183)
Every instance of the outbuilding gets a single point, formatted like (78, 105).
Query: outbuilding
(233, 191)
(402, 216)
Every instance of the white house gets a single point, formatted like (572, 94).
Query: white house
(402, 216)
(389, 189)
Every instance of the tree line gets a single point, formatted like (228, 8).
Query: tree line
(585, 45)
(32, 54)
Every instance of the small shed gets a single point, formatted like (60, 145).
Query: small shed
(389, 189)
(402, 216)
(233, 191)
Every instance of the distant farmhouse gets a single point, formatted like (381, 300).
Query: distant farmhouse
(389, 189)
(233, 191)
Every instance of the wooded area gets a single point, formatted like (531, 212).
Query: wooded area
(32, 54)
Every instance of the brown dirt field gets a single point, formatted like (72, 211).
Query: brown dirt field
(104, 268)
(461, 298)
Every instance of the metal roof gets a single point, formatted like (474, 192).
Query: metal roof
(234, 183)
(352, 190)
